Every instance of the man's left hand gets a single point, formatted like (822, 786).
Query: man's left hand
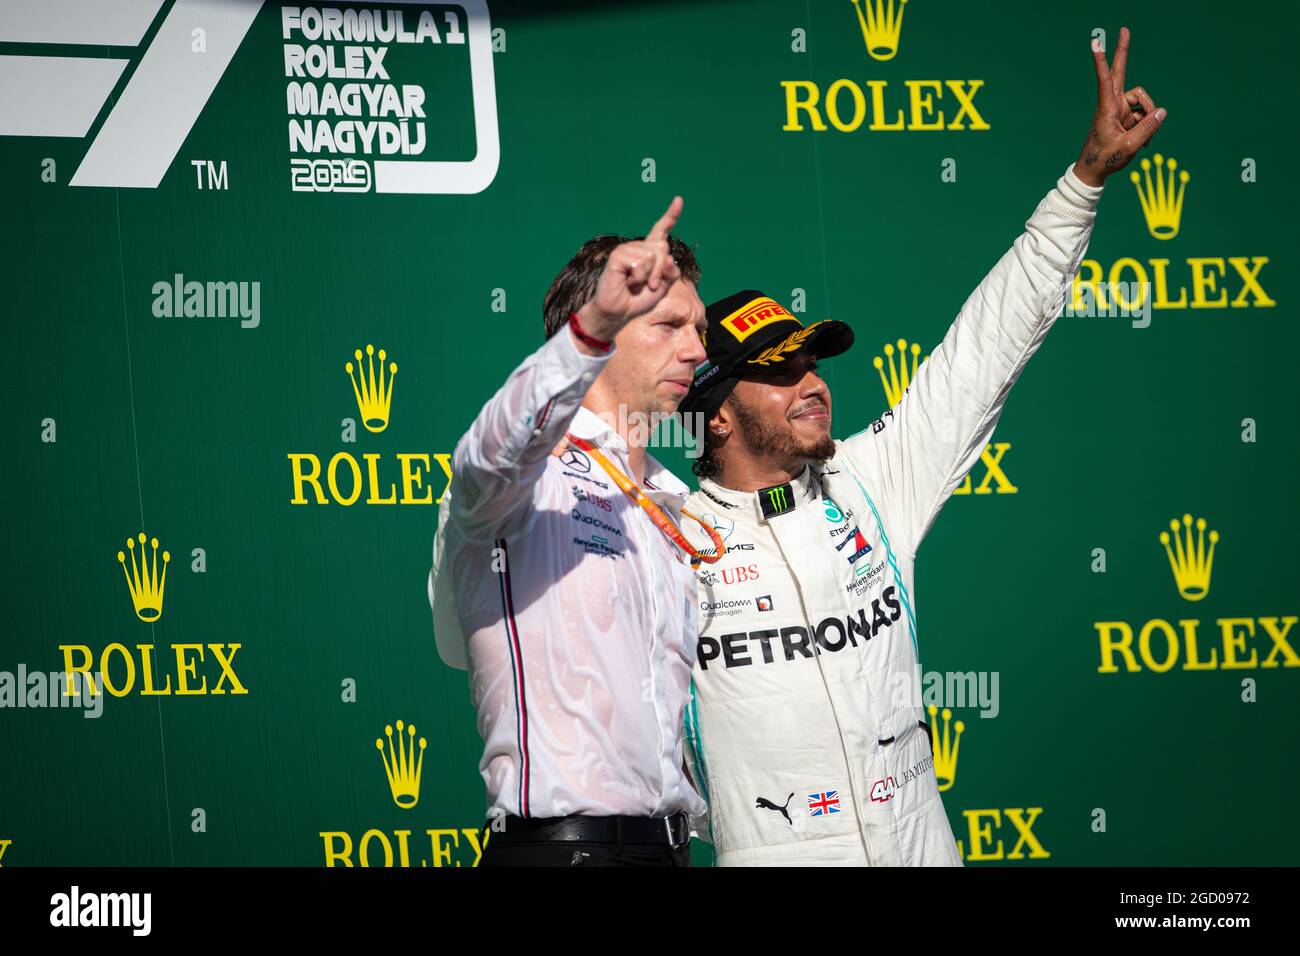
(1124, 122)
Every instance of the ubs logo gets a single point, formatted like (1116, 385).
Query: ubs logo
(738, 575)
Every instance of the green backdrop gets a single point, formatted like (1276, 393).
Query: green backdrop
(120, 419)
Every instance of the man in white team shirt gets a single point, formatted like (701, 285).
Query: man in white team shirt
(573, 612)
(808, 738)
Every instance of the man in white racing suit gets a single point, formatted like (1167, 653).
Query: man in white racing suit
(806, 732)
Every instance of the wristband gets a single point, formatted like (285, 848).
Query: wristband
(584, 338)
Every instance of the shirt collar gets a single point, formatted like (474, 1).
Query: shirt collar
(769, 503)
(587, 424)
(660, 484)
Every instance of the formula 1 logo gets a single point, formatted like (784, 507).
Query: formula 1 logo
(193, 43)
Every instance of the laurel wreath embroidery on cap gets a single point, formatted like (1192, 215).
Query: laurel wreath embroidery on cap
(778, 352)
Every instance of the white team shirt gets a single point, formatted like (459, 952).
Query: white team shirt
(573, 613)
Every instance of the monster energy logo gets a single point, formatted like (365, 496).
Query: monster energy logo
(776, 500)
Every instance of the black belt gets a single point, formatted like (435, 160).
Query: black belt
(660, 831)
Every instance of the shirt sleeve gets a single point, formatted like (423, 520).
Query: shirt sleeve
(921, 449)
(497, 463)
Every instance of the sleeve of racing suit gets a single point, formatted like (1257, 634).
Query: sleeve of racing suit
(923, 447)
(498, 462)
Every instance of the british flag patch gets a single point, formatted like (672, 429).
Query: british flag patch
(824, 802)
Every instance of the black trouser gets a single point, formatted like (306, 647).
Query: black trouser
(617, 841)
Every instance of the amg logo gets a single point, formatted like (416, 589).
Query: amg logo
(831, 634)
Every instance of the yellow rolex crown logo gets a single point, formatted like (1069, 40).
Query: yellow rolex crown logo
(900, 376)
(1162, 204)
(403, 766)
(144, 578)
(374, 395)
(945, 747)
(1188, 557)
(882, 22)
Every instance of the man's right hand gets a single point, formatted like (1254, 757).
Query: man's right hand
(637, 275)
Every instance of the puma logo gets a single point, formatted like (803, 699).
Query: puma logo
(765, 804)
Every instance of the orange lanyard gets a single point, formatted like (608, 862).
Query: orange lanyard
(661, 520)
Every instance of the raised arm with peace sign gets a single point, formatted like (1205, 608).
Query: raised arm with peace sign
(1124, 122)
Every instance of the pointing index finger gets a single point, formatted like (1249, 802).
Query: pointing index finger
(660, 230)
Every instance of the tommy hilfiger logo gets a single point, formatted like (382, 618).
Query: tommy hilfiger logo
(860, 545)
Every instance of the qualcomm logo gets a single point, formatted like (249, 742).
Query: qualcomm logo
(176, 72)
